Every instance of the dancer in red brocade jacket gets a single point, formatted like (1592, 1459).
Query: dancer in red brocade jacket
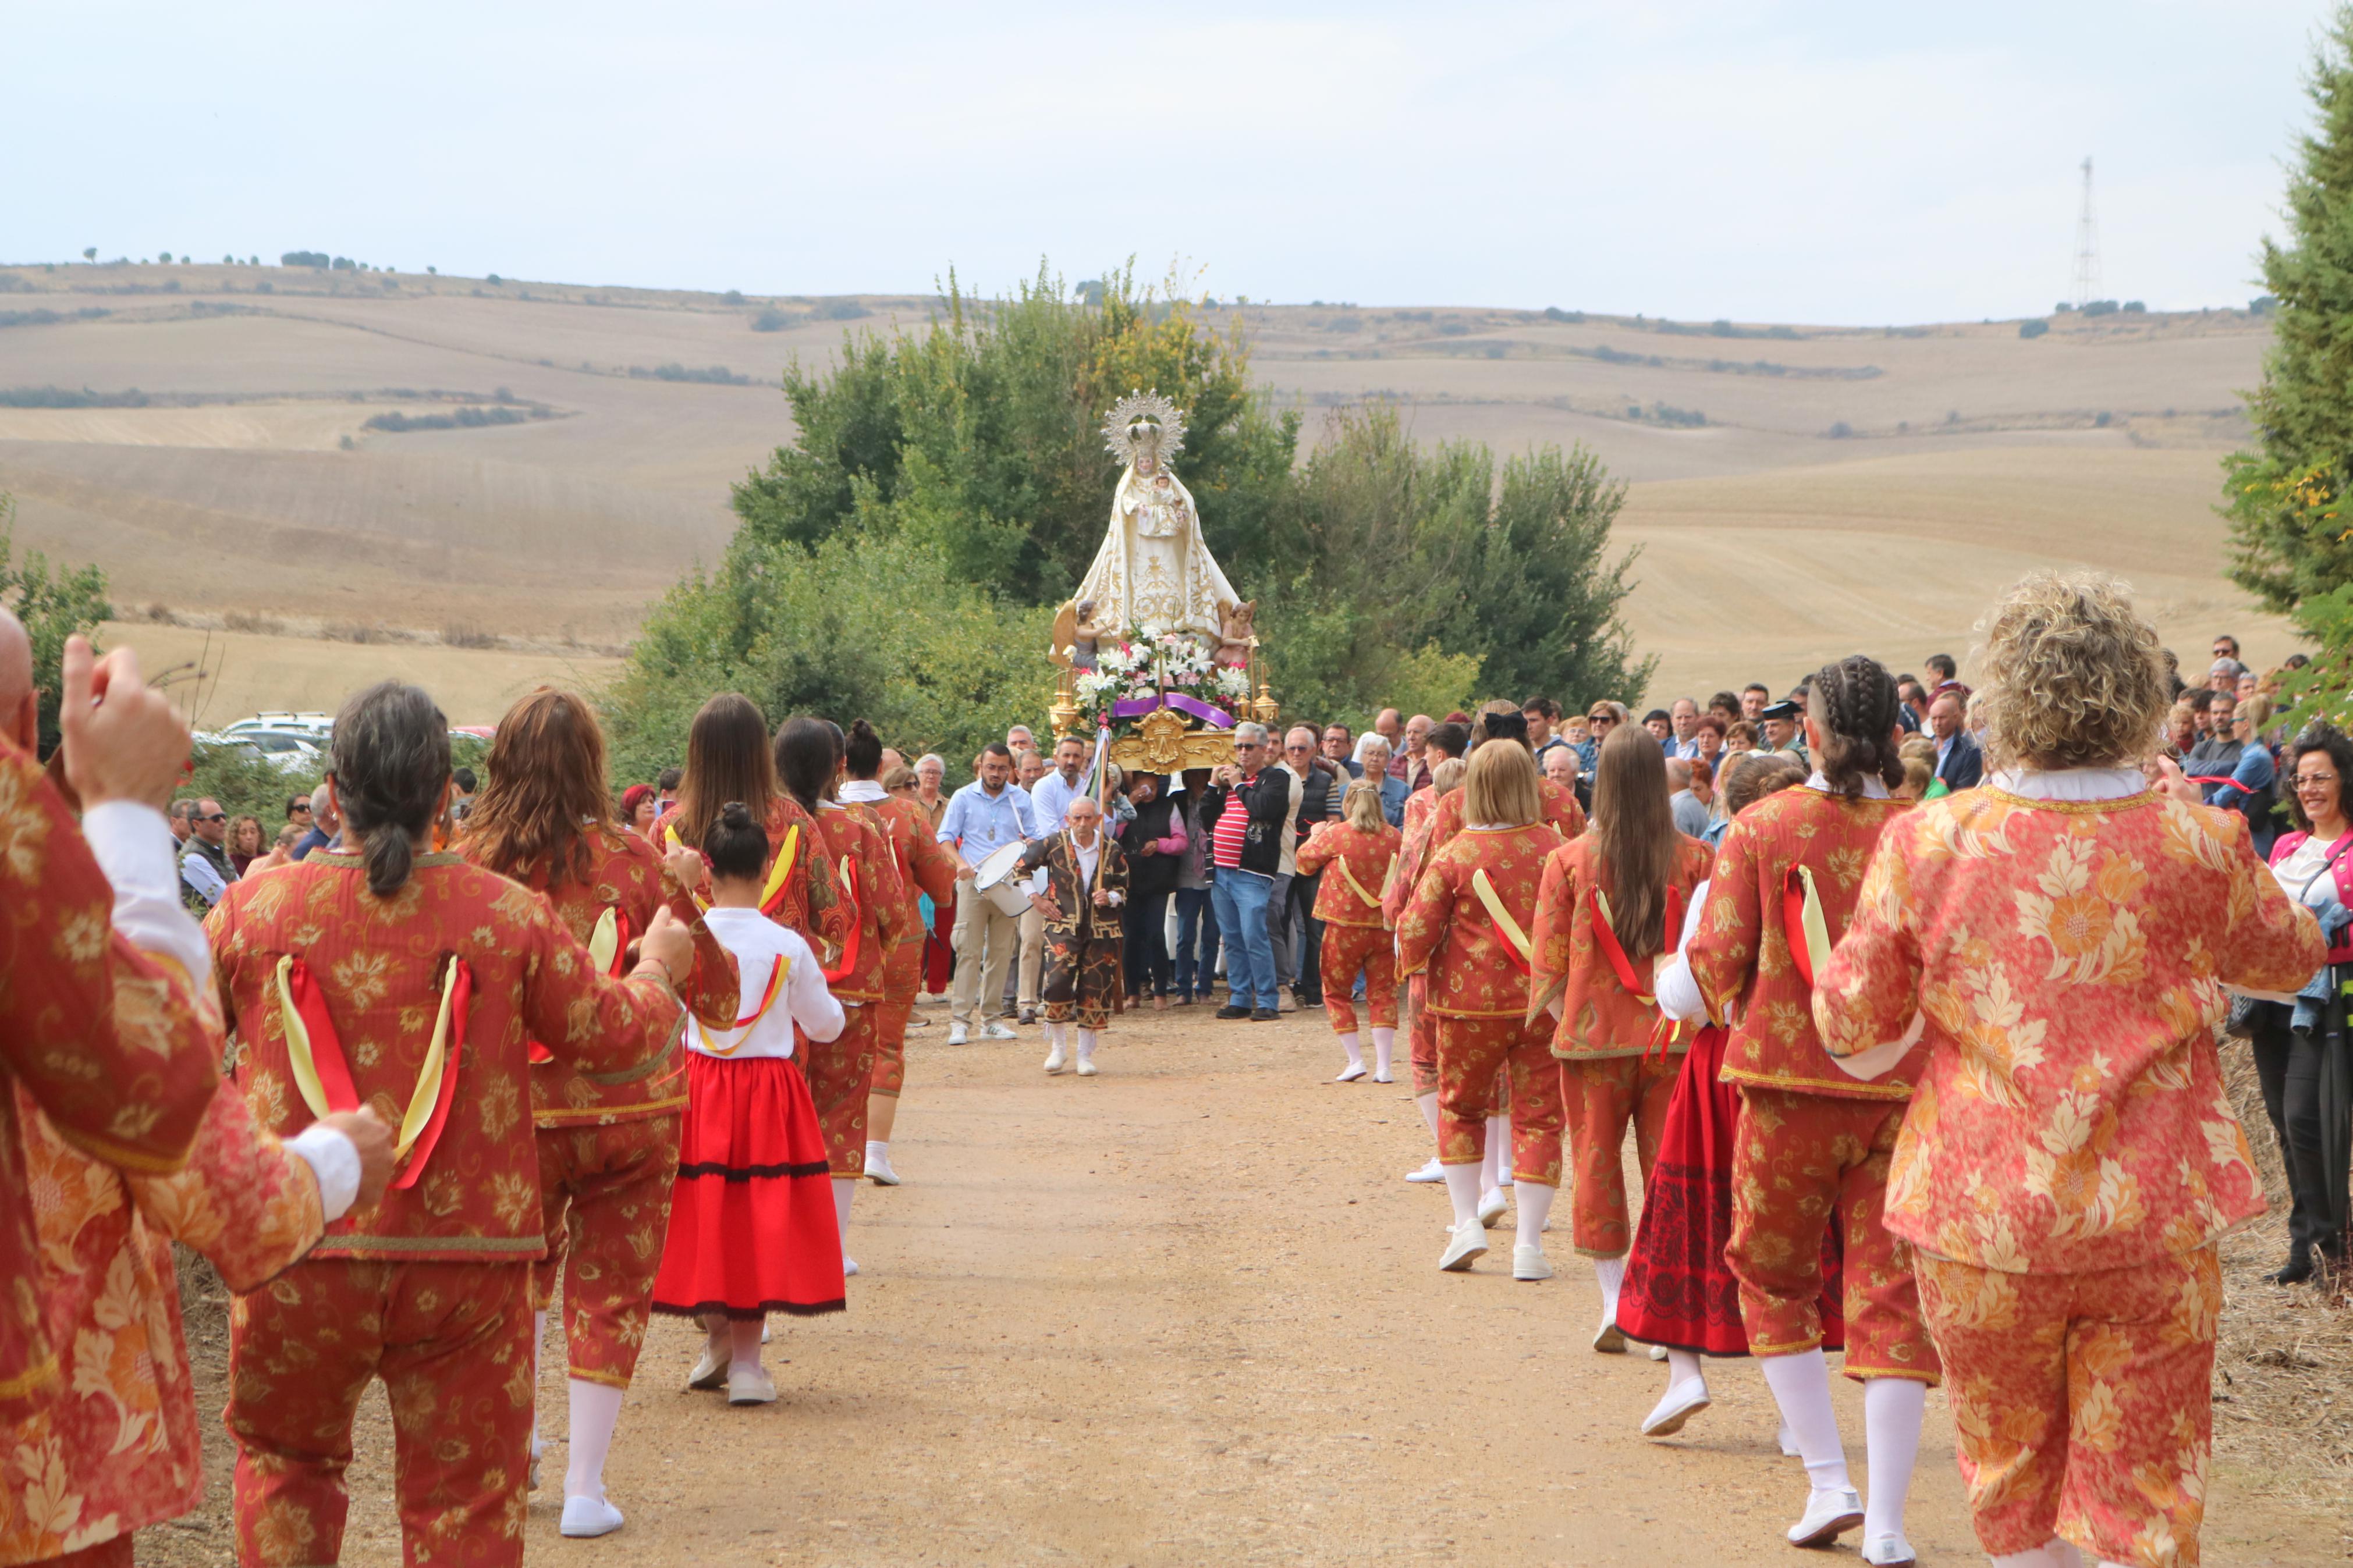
(1467, 924)
(2058, 942)
(728, 760)
(1360, 851)
(607, 1149)
(1413, 854)
(925, 866)
(1814, 1142)
(1611, 906)
(841, 1070)
(413, 982)
(87, 1026)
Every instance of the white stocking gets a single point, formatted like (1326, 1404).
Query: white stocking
(1356, 1052)
(1497, 1167)
(1428, 1105)
(745, 1336)
(596, 1408)
(1609, 1273)
(2053, 1553)
(1384, 1048)
(1892, 1412)
(1801, 1387)
(1682, 1366)
(1535, 1205)
(1462, 1189)
(844, 1189)
(1086, 1044)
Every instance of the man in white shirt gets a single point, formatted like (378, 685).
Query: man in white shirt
(982, 819)
(1051, 795)
(1683, 720)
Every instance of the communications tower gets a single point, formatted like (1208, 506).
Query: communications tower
(2087, 246)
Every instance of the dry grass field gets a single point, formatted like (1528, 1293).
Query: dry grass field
(1849, 487)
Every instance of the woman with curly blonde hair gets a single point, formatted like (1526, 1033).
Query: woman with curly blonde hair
(2055, 946)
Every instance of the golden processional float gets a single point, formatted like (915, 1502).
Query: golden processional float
(1156, 647)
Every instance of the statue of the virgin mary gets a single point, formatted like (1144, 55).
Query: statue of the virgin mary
(1153, 574)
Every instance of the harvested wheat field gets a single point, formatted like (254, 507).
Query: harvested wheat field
(1891, 480)
(1186, 1313)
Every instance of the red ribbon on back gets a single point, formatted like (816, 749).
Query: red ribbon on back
(841, 970)
(326, 1048)
(1793, 922)
(1605, 936)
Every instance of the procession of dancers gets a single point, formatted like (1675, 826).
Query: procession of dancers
(1931, 1085)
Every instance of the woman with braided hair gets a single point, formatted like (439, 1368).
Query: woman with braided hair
(1814, 1142)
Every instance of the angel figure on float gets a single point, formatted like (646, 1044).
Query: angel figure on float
(1154, 573)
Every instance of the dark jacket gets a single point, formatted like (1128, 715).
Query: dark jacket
(1319, 801)
(1154, 820)
(1266, 802)
(1080, 915)
(1964, 765)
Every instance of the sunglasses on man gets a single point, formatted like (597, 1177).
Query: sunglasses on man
(215, 817)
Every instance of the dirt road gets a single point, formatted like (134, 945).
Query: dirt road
(1186, 1313)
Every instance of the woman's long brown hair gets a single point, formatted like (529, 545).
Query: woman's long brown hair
(1634, 838)
(545, 792)
(726, 759)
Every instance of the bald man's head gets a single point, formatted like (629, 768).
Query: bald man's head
(20, 704)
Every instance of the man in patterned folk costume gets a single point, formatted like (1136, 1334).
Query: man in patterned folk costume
(607, 1143)
(411, 982)
(2057, 944)
(108, 1443)
(1813, 1142)
(1086, 886)
(1154, 572)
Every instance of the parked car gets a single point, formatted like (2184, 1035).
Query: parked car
(289, 752)
(317, 726)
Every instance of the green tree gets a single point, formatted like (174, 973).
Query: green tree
(53, 606)
(2283, 496)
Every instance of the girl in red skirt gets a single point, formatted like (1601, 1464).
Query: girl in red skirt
(1679, 1294)
(752, 1222)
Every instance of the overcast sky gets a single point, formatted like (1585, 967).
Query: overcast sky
(1823, 162)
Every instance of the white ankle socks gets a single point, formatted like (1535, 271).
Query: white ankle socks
(596, 1410)
(1801, 1387)
(1384, 1048)
(877, 1154)
(1535, 1205)
(1892, 1412)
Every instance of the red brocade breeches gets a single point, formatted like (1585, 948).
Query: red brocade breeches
(1476, 1058)
(902, 976)
(1347, 950)
(452, 1342)
(1803, 1162)
(2083, 1402)
(604, 1192)
(1605, 1095)
(840, 1074)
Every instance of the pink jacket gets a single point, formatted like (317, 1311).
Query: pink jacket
(2289, 843)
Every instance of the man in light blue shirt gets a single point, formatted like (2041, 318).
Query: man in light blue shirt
(982, 818)
(1051, 797)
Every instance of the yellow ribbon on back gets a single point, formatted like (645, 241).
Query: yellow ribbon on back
(606, 940)
(1817, 929)
(1355, 886)
(784, 866)
(1511, 929)
(298, 1042)
(428, 1077)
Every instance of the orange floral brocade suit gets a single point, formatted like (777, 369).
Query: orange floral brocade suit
(1413, 855)
(2070, 1157)
(98, 1036)
(609, 1142)
(924, 866)
(1813, 1144)
(1477, 961)
(1356, 936)
(1612, 1074)
(840, 1071)
(428, 1289)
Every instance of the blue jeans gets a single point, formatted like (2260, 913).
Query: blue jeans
(1197, 941)
(1240, 900)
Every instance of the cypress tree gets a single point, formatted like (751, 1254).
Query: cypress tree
(2291, 529)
